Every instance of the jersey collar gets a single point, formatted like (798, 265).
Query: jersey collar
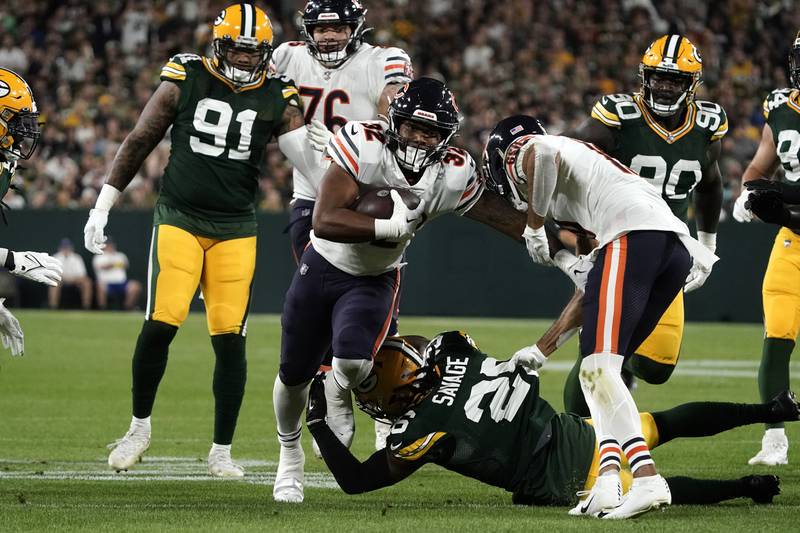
(669, 136)
(252, 85)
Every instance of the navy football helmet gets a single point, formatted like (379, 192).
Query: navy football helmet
(334, 12)
(430, 104)
(794, 63)
(499, 157)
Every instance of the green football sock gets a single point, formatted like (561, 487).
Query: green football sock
(574, 402)
(773, 374)
(149, 363)
(702, 419)
(230, 375)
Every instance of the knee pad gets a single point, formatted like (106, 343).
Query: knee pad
(349, 373)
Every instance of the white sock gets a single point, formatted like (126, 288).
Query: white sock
(613, 410)
(140, 425)
(775, 433)
(289, 404)
(217, 448)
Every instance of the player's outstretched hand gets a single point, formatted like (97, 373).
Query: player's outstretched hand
(788, 192)
(317, 405)
(10, 331)
(37, 266)
(769, 207)
(530, 357)
(742, 213)
(697, 277)
(576, 267)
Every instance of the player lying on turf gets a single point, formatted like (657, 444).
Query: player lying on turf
(467, 412)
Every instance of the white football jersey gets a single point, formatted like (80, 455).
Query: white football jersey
(337, 96)
(452, 185)
(582, 188)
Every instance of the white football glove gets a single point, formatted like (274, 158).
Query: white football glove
(94, 238)
(699, 274)
(403, 223)
(10, 331)
(740, 212)
(538, 248)
(318, 135)
(576, 267)
(530, 357)
(37, 266)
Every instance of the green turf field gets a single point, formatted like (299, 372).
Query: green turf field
(69, 396)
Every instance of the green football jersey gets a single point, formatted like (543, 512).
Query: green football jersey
(218, 140)
(7, 169)
(673, 161)
(782, 112)
(485, 420)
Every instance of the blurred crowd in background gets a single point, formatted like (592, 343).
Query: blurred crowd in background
(93, 65)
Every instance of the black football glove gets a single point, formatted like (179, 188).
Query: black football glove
(317, 405)
(788, 192)
(768, 206)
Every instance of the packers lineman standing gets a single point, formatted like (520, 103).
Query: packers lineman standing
(340, 78)
(780, 144)
(19, 135)
(223, 110)
(666, 136)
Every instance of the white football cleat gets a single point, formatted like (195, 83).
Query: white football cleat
(220, 464)
(646, 493)
(128, 450)
(606, 494)
(774, 450)
(382, 431)
(290, 476)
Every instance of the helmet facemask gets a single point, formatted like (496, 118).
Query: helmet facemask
(21, 134)
(674, 103)
(514, 188)
(794, 65)
(234, 74)
(411, 155)
(334, 56)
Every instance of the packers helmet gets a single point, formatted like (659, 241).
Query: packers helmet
(794, 63)
(674, 56)
(19, 118)
(399, 380)
(242, 28)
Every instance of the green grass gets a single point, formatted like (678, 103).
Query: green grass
(69, 396)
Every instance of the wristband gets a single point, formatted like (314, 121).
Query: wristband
(383, 229)
(709, 240)
(108, 195)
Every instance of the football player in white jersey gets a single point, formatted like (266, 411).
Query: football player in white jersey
(345, 289)
(340, 78)
(643, 256)
(19, 135)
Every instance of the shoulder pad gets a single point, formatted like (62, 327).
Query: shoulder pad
(775, 99)
(356, 144)
(288, 87)
(711, 117)
(396, 65)
(283, 54)
(175, 68)
(612, 109)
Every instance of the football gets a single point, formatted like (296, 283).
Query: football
(378, 203)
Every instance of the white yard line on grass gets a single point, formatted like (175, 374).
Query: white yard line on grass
(718, 368)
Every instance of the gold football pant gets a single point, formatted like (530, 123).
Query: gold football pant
(664, 343)
(180, 261)
(781, 289)
(650, 433)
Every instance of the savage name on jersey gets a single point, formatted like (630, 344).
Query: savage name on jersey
(486, 421)
(217, 144)
(335, 96)
(451, 185)
(672, 161)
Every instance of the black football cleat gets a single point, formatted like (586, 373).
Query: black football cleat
(762, 489)
(784, 407)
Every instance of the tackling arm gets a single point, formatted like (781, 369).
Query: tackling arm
(763, 165)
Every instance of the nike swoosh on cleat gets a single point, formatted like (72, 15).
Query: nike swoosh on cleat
(585, 508)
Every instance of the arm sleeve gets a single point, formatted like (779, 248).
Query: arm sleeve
(545, 176)
(353, 476)
(295, 147)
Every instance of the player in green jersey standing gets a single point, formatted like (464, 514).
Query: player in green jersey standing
(673, 140)
(456, 407)
(223, 110)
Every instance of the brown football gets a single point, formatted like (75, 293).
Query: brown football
(378, 203)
